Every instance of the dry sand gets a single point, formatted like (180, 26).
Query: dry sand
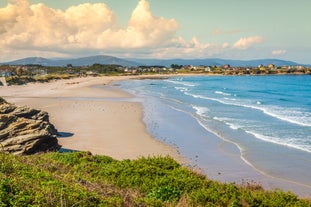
(102, 120)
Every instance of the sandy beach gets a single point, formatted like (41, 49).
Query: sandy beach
(100, 119)
(93, 115)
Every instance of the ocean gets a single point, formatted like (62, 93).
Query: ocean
(266, 118)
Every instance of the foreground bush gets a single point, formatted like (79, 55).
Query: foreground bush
(80, 179)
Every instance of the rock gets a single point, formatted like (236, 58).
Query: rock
(25, 131)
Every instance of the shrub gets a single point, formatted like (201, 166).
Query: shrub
(2, 100)
(80, 179)
(166, 193)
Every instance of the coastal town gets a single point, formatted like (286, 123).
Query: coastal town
(35, 72)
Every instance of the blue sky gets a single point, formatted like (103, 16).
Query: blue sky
(232, 29)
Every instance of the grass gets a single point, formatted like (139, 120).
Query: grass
(81, 179)
(20, 80)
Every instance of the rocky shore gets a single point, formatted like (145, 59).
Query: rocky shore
(25, 131)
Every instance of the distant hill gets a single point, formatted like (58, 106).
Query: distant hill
(214, 61)
(104, 59)
(100, 59)
(31, 60)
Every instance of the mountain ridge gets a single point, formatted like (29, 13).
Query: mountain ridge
(217, 62)
(82, 61)
(105, 59)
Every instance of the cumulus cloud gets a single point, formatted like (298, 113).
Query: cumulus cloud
(38, 30)
(85, 26)
(225, 45)
(151, 30)
(191, 49)
(245, 43)
(278, 52)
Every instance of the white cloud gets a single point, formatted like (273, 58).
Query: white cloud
(38, 30)
(225, 45)
(151, 30)
(82, 27)
(245, 43)
(192, 49)
(278, 52)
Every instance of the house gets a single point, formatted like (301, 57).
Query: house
(39, 72)
(187, 67)
(207, 69)
(91, 73)
(271, 66)
(226, 66)
(6, 72)
(300, 67)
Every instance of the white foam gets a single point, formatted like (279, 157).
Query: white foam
(275, 140)
(201, 111)
(231, 99)
(234, 127)
(182, 89)
(230, 122)
(293, 143)
(181, 83)
(200, 96)
(292, 115)
(222, 93)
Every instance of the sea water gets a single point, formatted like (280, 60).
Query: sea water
(268, 118)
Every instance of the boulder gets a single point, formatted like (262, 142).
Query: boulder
(25, 131)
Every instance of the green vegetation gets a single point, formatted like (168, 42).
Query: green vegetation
(20, 75)
(80, 179)
(106, 69)
(20, 80)
(2, 100)
(23, 74)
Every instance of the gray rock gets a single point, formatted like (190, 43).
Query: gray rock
(26, 131)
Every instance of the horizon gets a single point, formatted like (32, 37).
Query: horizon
(150, 29)
(133, 58)
(154, 61)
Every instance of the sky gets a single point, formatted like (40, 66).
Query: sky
(229, 29)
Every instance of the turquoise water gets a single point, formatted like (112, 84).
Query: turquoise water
(267, 117)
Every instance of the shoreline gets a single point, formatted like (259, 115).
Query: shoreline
(75, 103)
(89, 116)
(218, 157)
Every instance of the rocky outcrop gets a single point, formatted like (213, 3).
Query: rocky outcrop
(25, 131)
